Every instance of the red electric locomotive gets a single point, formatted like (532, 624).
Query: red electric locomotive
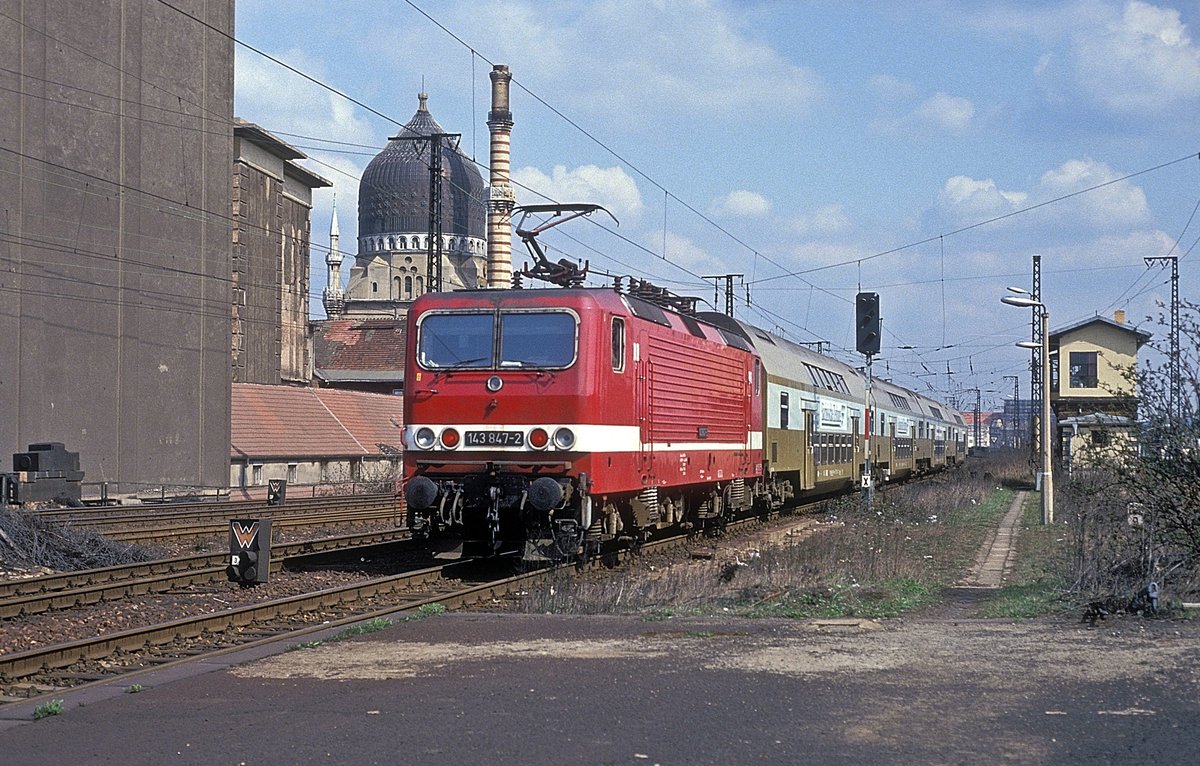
(548, 421)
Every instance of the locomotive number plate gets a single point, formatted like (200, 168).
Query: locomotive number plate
(495, 439)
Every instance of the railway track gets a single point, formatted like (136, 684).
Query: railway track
(50, 669)
(158, 524)
(73, 589)
(215, 509)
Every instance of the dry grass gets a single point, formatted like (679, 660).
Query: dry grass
(27, 542)
(914, 541)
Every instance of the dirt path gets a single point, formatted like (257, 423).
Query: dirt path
(996, 556)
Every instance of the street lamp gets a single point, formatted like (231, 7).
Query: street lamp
(1024, 300)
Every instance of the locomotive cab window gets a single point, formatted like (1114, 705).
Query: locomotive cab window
(537, 339)
(455, 340)
(512, 339)
(618, 344)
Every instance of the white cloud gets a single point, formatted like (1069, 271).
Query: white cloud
(742, 203)
(944, 112)
(686, 253)
(1126, 248)
(611, 187)
(1118, 204)
(691, 57)
(282, 101)
(829, 219)
(969, 197)
(1143, 60)
(886, 87)
(938, 114)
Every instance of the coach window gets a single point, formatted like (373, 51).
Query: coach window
(783, 410)
(618, 344)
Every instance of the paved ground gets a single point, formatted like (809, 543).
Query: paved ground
(478, 688)
(519, 689)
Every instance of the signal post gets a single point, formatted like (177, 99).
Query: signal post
(867, 336)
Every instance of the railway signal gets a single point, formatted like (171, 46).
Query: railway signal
(249, 551)
(866, 323)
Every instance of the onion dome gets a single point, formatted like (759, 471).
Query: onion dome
(393, 195)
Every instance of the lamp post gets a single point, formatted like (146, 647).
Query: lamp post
(1024, 300)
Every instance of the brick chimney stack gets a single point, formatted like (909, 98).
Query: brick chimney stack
(501, 198)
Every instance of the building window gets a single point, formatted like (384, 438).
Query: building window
(408, 288)
(291, 473)
(256, 474)
(1083, 369)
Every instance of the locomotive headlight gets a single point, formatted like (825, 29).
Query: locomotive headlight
(494, 383)
(564, 438)
(450, 438)
(538, 438)
(424, 438)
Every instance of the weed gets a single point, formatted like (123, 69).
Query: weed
(657, 614)
(1027, 599)
(305, 645)
(372, 626)
(53, 707)
(134, 688)
(916, 540)
(428, 610)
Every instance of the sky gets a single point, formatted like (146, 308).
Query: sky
(925, 150)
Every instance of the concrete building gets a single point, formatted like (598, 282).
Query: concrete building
(1092, 391)
(272, 207)
(116, 149)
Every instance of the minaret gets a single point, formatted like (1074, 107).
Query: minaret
(500, 192)
(333, 298)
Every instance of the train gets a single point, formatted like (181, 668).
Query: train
(551, 422)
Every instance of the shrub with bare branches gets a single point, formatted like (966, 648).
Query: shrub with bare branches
(1133, 505)
(27, 542)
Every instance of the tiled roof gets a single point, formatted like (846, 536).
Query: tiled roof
(285, 421)
(360, 345)
(984, 417)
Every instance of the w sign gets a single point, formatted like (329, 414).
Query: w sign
(276, 490)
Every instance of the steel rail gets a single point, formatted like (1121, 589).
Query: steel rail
(215, 508)
(71, 589)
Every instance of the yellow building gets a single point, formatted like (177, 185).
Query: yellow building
(1093, 390)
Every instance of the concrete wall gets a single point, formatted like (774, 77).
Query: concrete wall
(271, 216)
(305, 472)
(115, 149)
